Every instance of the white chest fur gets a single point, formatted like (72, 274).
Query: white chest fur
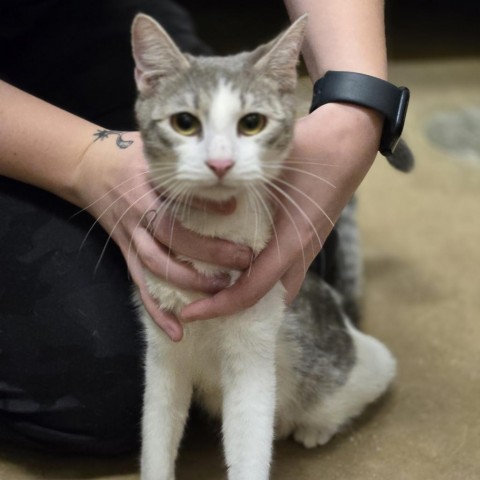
(228, 363)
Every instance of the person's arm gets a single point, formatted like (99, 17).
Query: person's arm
(41, 144)
(346, 35)
(47, 147)
(337, 142)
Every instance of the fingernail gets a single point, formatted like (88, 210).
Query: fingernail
(221, 281)
(173, 332)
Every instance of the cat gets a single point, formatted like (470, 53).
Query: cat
(213, 128)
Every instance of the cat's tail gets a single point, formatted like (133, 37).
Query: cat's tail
(349, 268)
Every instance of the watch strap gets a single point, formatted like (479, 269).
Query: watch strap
(367, 91)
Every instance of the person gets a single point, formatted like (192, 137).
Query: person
(70, 348)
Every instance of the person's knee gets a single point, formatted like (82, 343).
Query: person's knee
(89, 405)
(72, 425)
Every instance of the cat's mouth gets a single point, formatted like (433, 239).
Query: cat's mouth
(218, 192)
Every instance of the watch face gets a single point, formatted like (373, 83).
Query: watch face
(402, 109)
(392, 129)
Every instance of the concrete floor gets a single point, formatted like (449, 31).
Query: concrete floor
(420, 237)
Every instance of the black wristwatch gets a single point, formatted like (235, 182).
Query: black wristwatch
(367, 91)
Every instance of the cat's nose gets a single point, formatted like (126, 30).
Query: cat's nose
(220, 167)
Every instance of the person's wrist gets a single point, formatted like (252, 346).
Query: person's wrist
(81, 180)
(339, 143)
(352, 122)
(102, 163)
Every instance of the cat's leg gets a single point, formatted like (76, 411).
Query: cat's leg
(369, 378)
(249, 384)
(248, 413)
(168, 392)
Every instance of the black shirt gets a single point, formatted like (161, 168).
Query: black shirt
(76, 54)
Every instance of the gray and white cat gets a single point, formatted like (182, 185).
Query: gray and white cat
(215, 128)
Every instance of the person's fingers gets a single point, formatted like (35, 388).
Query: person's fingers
(225, 208)
(161, 263)
(295, 275)
(251, 286)
(166, 321)
(185, 242)
(293, 249)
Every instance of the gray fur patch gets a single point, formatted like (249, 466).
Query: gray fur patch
(316, 325)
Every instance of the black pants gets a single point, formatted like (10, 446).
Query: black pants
(70, 347)
(70, 344)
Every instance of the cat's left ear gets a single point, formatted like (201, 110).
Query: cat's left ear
(154, 52)
(281, 55)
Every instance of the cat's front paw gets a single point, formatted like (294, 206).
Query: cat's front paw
(311, 437)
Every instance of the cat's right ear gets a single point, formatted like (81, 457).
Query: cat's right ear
(154, 52)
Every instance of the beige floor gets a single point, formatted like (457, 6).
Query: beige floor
(422, 258)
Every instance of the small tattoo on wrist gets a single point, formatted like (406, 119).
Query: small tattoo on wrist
(103, 134)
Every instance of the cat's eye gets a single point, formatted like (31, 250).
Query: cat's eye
(186, 124)
(251, 124)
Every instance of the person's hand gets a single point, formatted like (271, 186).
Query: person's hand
(333, 149)
(112, 183)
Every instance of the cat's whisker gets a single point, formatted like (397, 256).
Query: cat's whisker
(289, 215)
(158, 213)
(154, 179)
(302, 212)
(147, 227)
(106, 194)
(98, 218)
(255, 235)
(296, 189)
(265, 207)
(141, 174)
(251, 208)
(176, 207)
(298, 208)
(107, 241)
(188, 204)
(120, 220)
(174, 194)
(305, 172)
(310, 160)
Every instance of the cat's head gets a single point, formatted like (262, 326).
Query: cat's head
(214, 125)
